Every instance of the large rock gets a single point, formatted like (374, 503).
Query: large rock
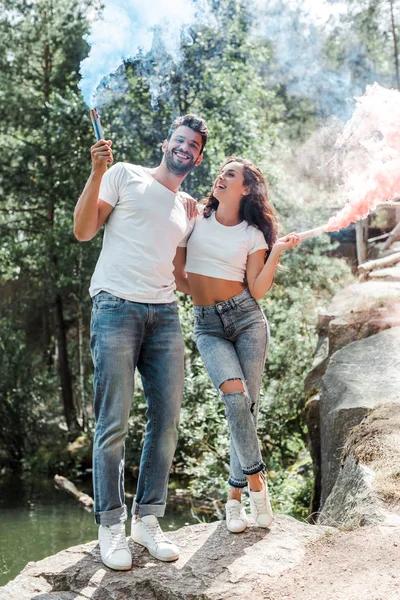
(293, 561)
(312, 388)
(356, 312)
(368, 485)
(352, 502)
(359, 377)
(357, 326)
(214, 565)
(313, 381)
(314, 445)
(361, 302)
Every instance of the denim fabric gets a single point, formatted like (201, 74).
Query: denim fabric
(126, 335)
(232, 338)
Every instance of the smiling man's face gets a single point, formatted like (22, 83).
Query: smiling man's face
(183, 151)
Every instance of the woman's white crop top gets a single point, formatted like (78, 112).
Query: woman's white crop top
(219, 251)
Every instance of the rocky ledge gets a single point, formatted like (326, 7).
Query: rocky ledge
(290, 561)
(213, 564)
(353, 413)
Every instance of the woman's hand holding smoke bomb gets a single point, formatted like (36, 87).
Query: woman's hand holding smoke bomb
(101, 155)
(285, 243)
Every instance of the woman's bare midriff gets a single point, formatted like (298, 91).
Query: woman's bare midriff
(210, 290)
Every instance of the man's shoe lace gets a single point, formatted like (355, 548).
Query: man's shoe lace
(117, 537)
(156, 532)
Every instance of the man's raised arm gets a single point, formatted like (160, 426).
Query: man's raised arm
(91, 213)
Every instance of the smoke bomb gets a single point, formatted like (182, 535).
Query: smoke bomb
(305, 235)
(98, 130)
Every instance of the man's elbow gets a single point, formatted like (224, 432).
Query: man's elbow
(82, 236)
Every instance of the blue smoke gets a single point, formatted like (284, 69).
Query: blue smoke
(298, 45)
(129, 30)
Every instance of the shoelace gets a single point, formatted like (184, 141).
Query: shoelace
(261, 502)
(156, 532)
(234, 512)
(118, 539)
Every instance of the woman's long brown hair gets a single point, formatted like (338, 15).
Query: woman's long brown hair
(255, 207)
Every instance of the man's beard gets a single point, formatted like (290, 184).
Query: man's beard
(175, 168)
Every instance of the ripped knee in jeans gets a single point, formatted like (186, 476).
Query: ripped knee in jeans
(230, 386)
(234, 386)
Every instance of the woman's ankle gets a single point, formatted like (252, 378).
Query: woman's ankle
(256, 482)
(235, 494)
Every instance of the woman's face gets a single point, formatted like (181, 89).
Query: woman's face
(229, 184)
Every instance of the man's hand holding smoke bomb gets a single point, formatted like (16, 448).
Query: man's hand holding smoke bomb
(90, 212)
(101, 156)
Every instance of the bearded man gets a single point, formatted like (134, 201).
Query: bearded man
(135, 325)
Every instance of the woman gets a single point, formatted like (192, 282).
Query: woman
(231, 259)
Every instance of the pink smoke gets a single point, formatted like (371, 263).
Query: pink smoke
(375, 128)
(369, 149)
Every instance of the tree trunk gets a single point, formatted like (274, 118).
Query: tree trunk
(64, 370)
(62, 483)
(362, 240)
(394, 234)
(380, 263)
(60, 330)
(47, 344)
(81, 367)
(395, 45)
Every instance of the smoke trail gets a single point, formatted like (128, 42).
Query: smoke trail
(370, 161)
(298, 40)
(368, 158)
(130, 29)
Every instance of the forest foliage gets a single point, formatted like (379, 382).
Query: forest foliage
(233, 77)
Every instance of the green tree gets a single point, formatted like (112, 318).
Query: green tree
(43, 168)
(366, 36)
(220, 78)
(226, 76)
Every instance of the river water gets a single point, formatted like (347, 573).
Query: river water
(36, 521)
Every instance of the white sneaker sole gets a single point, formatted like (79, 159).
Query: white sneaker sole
(169, 559)
(113, 567)
(236, 530)
(264, 526)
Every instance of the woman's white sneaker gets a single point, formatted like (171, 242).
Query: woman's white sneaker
(236, 518)
(261, 507)
(147, 532)
(114, 548)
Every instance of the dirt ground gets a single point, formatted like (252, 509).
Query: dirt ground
(363, 564)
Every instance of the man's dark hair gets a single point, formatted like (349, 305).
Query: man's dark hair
(194, 122)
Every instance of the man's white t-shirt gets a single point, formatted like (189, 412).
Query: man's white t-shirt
(141, 235)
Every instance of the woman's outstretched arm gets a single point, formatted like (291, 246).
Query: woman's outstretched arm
(260, 276)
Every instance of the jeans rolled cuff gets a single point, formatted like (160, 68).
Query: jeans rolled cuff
(142, 510)
(237, 483)
(257, 468)
(111, 517)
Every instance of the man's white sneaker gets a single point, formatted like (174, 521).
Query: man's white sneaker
(261, 507)
(114, 548)
(236, 518)
(147, 532)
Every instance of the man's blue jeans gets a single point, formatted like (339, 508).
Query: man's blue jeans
(126, 335)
